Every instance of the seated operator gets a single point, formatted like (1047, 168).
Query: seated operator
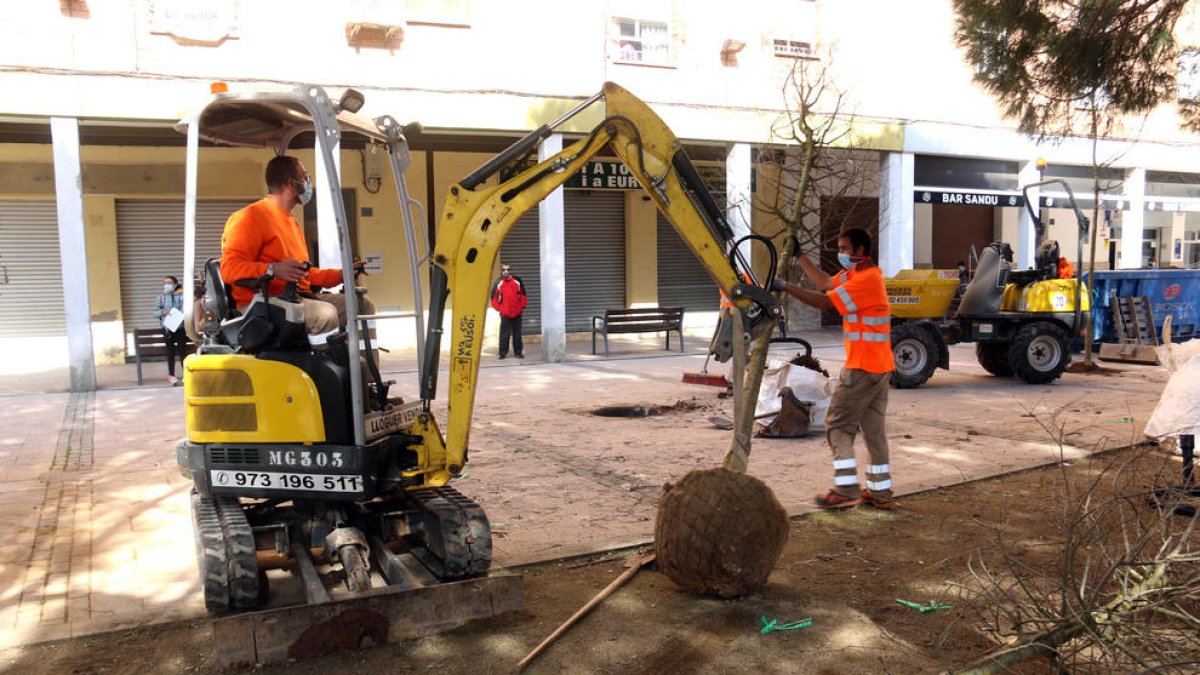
(264, 238)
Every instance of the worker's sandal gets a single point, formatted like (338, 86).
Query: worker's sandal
(832, 499)
(875, 500)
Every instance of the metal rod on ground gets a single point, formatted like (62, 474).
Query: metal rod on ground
(738, 457)
(634, 564)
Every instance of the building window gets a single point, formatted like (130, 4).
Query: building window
(644, 42)
(794, 49)
(439, 12)
(1189, 74)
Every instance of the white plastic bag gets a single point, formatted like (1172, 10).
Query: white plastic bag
(806, 385)
(1178, 409)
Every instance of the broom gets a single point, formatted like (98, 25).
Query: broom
(704, 377)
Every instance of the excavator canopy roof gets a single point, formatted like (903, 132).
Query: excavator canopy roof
(271, 119)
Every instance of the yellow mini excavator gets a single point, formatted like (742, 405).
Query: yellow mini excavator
(301, 458)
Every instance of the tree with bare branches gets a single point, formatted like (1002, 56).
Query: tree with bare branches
(815, 180)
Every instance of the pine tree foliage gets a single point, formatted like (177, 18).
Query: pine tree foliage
(1050, 63)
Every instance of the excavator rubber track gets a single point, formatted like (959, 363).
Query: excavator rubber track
(226, 554)
(455, 537)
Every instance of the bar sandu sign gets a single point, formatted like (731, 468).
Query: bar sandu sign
(967, 198)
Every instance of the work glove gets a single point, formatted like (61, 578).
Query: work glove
(779, 284)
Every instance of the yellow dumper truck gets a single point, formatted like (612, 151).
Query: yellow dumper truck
(1021, 321)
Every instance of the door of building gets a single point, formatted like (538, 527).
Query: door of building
(595, 252)
(838, 215)
(150, 247)
(956, 228)
(595, 258)
(31, 290)
(682, 280)
(521, 251)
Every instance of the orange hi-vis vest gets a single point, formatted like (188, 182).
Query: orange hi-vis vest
(725, 301)
(861, 298)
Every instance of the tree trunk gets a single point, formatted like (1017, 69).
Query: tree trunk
(1093, 229)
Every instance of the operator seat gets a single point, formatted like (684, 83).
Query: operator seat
(1046, 259)
(222, 321)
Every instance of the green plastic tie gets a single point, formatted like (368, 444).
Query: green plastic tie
(774, 625)
(931, 607)
(1121, 420)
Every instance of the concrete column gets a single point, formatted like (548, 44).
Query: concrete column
(1175, 245)
(329, 249)
(551, 234)
(738, 188)
(1133, 222)
(897, 230)
(641, 250)
(1026, 243)
(68, 190)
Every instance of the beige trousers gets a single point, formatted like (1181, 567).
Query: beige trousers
(859, 402)
(328, 313)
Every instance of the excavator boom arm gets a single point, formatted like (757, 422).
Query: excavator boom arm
(476, 221)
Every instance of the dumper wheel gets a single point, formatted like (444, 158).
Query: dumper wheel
(1039, 352)
(993, 356)
(915, 353)
(225, 554)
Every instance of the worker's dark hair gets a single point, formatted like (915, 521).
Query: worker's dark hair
(279, 171)
(858, 238)
(174, 281)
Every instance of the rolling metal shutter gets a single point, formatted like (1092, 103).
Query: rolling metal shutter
(521, 251)
(682, 280)
(595, 251)
(150, 247)
(31, 290)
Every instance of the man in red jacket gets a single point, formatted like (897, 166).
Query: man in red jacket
(508, 298)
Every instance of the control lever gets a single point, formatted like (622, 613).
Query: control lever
(291, 292)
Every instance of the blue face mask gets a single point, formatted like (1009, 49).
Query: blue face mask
(306, 196)
(845, 261)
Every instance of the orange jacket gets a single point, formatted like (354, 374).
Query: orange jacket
(725, 301)
(1065, 269)
(861, 298)
(260, 234)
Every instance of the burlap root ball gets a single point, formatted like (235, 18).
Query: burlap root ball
(719, 532)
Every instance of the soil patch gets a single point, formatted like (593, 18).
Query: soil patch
(1082, 368)
(845, 570)
(647, 410)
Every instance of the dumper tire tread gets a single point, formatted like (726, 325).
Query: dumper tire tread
(902, 335)
(225, 553)
(993, 356)
(456, 535)
(1044, 333)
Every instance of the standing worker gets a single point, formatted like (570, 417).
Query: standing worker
(860, 399)
(509, 298)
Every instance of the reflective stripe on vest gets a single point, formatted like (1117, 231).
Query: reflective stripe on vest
(866, 319)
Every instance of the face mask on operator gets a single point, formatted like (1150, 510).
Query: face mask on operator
(848, 261)
(306, 195)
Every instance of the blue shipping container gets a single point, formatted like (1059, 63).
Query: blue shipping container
(1171, 292)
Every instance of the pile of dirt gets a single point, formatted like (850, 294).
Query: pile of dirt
(719, 532)
(811, 362)
(1083, 368)
(647, 410)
